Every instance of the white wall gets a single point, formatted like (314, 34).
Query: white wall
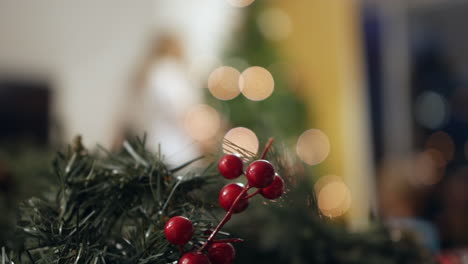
(88, 49)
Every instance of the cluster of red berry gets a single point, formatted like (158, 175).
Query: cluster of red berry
(233, 198)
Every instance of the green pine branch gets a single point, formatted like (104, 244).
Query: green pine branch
(108, 208)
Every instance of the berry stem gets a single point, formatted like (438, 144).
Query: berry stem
(229, 240)
(230, 212)
(267, 148)
(253, 194)
(225, 219)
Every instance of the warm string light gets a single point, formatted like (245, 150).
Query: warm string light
(437, 157)
(223, 83)
(424, 169)
(333, 196)
(442, 142)
(240, 3)
(256, 83)
(202, 122)
(243, 138)
(313, 147)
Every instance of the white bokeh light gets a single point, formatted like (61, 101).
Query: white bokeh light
(223, 83)
(256, 83)
(240, 3)
(241, 137)
(313, 146)
(202, 122)
(333, 196)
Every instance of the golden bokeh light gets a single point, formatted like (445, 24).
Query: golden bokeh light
(223, 83)
(202, 122)
(324, 180)
(274, 23)
(333, 195)
(243, 138)
(442, 142)
(240, 3)
(256, 83)
(313, 146)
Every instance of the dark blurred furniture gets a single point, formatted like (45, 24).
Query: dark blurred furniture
(24, 110)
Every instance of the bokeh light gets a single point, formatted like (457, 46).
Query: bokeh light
(256, 83)
(442, 142)
(424, 170)
(313, 146)
(240, 3)
(437, 157)
(223, 83)
(241, 137)
(431, 110)
(333, 195)
(202, 122)
(274, 24)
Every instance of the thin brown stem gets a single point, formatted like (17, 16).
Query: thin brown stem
(253, 194)
(225, 219)
(267, 148)
(230, 212)
(228, 240)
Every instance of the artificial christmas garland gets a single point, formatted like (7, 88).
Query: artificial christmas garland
(118, 207)
(107, 208)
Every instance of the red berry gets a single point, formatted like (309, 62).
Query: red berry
(230, 166)
(178, 230)
(222, 253)
(229, 194)
(260, 173)
(194, 258)
(274, 190)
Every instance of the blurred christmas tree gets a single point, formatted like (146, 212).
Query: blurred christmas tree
(283, 113)
(293, 230)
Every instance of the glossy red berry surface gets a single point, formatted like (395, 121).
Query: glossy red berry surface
(178, 230)
(275, 189)
(260, 173)
(230, 166)
(228, 195)
(194, 258)
(222, 253)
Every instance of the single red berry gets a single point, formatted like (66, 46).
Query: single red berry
(230, 166)
(178, 230)
(275, 189)
(260, 173)
(229, 194)
(222, 253)
(194, 258)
